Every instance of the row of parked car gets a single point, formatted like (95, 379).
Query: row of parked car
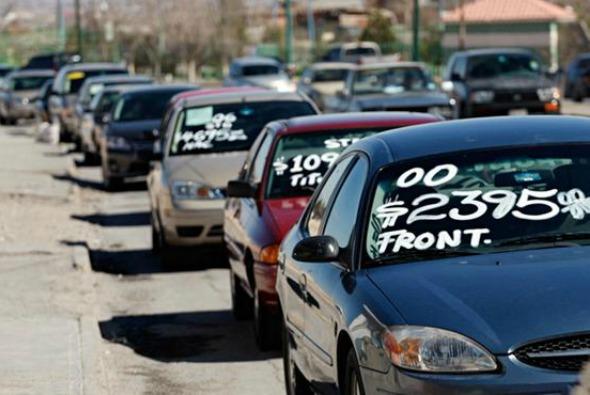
(387, 252)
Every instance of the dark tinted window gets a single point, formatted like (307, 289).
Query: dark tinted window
(496, 65)
(343, 214)
(144, 105)
(74, 80)
(258, 165)
(320, 204)
(103, 103)
(360, 51)
(229, 127)
(329, 75)
(28, 83)
(301, 160)
(391, 80)
(4, 71)
(459, 67)
(254, 70)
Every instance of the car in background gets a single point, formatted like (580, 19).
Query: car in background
(352, 52)
(18, 93)
(42, 102)
(93, 86)
(577, 79)
(261, 72)
(130, 139)
(400, 86)
(281, 172)
(53, 61)
(500, 81)
(5, 69)
(205, 140)
(448, 268)
(322, 81)
(66, 86)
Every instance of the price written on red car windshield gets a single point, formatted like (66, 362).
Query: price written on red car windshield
(463, 207)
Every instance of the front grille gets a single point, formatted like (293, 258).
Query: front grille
(515, 97)
(189, 231)
(565, 353)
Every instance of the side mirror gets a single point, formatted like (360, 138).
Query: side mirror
(317, 249)
(240, 189)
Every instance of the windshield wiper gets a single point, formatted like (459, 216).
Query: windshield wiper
(415, 255)
(540, 239)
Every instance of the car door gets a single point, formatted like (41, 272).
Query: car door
(326, 281)
(295, 301)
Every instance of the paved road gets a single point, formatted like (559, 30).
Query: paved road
(119, 323)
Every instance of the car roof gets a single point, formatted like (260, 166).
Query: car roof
(255, 60)
(348, 121)
(492, 51)
(242, 95)
(92, 66)
(33, 73)
(216, 91)
(331, 65)
(141, 89)
(475, 134)
(114, 78)
(121, 88)
(380, 65)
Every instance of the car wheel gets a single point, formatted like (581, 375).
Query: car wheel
(578, 95)
(266, 326)
(352, 376)
(241, 302)
(295, 382)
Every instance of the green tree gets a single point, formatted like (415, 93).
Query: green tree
(380, 30)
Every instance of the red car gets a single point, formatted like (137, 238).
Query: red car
(281, 171)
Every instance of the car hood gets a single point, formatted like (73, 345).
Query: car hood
(214, 170)
(135, 129)
(504, 83)
(501, 300)
(283, 214)
(403, 100)
(28, 94)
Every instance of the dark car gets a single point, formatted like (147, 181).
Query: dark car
(129, 140)
(53, 61)
(42, 102)
(65, 90)
(93, 86)
(446, 268)
(500, 82)
(5, 70)
(321, 81)
(282, 169)
(400, 86)
(18, 93)
(577, 82)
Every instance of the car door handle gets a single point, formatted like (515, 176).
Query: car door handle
(303, 283)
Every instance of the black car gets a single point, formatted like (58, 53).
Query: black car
(400, 86)
(448, 258)
(52, 60)
(500, 82)
(130, 139)
(4, 70)
(577, 82)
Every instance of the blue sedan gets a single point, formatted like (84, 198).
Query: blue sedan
(443, 259)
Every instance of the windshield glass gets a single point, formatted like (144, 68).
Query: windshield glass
(74, 80)
(144, 105)
(301, 160)
(28, 83)
(254, 70)
(229, 127)
(480, 202)
(391, 80)
(330, 75)
(103, 102)
(503, 65)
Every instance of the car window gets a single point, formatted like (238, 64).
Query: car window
(342, 218)
(392, 80)
(480, 202)
(506, 65)
(257, 169)
(144, 105)
(74, 79)
(459, 67)
(320, 204)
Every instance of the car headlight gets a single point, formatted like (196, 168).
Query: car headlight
(548, 94)
(283, 86)
(435, 350)
(441, 111)
(482, 96)
(189, 190)
(118, 143)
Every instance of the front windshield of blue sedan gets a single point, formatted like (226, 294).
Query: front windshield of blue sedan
(481, 202)
(391, 80)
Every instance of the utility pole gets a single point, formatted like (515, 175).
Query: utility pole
(462, 27)
(289, 32)
(311, 27)
(416, 32)
(78, 28)
(61, 26)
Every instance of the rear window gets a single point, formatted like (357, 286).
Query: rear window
(74, 79)
(229, 127)
(143, 106)
(301, 160)
(28, 83)
(480, 202)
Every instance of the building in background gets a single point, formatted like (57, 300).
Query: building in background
(534, 24)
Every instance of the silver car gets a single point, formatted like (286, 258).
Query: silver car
(18, 93)
(206, 136)
(261, 72)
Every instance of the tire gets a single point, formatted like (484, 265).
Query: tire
(295, 382)
(353, 383)
(578, 95)
(241, 302)
(266, 326)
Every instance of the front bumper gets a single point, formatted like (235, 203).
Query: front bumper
(132, 163)
(21, 111)
(192, 224)
(551, 107)
(514, 378)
